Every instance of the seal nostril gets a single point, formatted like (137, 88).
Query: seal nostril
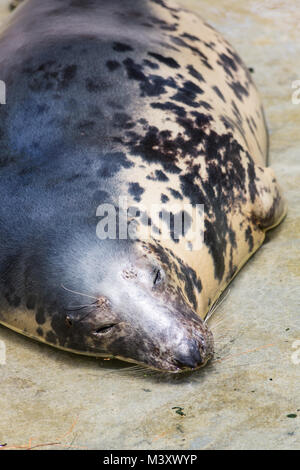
(157, 277)
(102, 330)
(191, 359)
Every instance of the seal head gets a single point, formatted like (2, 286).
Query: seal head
(127, 304)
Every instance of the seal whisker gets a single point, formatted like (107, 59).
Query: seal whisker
(217, 326)
(76, 308)
(233, 355)
(216, 305)
(248, 364)
(79, 293)
(127, 370)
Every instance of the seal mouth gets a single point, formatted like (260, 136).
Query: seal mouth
(170, 368)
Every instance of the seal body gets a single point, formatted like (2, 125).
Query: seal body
(137, 100)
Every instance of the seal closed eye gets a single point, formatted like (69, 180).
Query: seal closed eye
(142, 101)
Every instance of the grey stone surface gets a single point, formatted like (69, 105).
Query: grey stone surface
(57, 400)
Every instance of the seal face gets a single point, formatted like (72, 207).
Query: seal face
(142, 100)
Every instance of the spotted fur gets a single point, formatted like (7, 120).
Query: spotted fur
(142, 99)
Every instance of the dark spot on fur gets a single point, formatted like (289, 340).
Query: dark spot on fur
(157, 147)
(162, 24)
(225, 176)
(190, 37)
(121, 47)
(69, 73)
(191, 281)
(217, 247)
(253, 123)
(195, 50)
(151, 85)
(239, 90)
(50, 337)
(30, 303)
(169, 61)
(112, 65)
(195, 73)
(249, 238)
(163, 4)
(136, 191)
(228, 64)
(50, 76)
(228, 123)
(252, 178)
(85, 126)
(111, 163)
(123, 121)
(95, 86)
(176, 194)
(250, 126)
(219, 93)
(159, 176)
(205, 105)
(187, 94)
(164, 198)
(40, 316)
(150, 64)
(101, 197)
(210, 45)
(169, 106)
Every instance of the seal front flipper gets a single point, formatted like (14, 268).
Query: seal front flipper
(270, 206)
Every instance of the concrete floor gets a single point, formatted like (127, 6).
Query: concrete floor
(55, 400)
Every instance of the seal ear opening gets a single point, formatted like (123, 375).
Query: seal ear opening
(158, 276)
